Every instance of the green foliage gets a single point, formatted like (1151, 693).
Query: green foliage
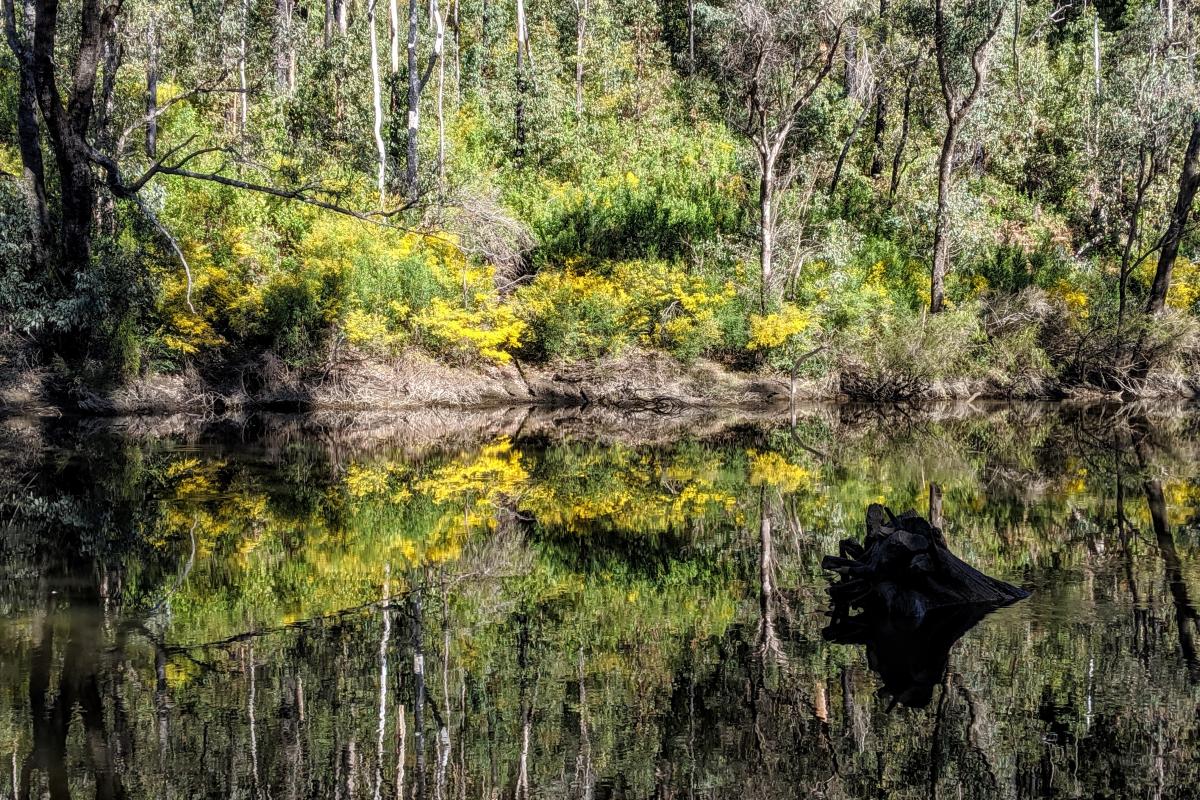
(667, 196)
(574, 317)
(632, 217)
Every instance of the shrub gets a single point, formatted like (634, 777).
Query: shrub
(673, 309)
(572, 316)
(902, 355)
(683, 190)
(491, 333)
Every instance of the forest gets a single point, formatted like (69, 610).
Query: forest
(876, 200)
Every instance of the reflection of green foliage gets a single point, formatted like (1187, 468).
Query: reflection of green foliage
(635, 571)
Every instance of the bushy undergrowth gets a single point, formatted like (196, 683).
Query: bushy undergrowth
(633, 244)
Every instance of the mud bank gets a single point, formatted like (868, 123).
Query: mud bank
(634, 381)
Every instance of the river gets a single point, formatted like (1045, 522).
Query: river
(565, 605)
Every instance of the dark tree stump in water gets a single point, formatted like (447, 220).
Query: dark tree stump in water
(916, 597)
(905, 563)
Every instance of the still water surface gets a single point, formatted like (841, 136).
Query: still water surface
(518, 608)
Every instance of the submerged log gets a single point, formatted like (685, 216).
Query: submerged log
(916, 600)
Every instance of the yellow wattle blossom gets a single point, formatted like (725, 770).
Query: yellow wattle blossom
(776, 329)
(475, 485)
(377, 480)
(1185, 285)
(1075, 299)
(491, 333)
(371, 332)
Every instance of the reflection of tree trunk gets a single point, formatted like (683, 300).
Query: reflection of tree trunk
(935, 505)
(160, 704)
(1186, 617)
(291, 713)
(383, 681)
(253, 721)
(444, 730)
(401, 750)
(418, 637)
(79, 686)
(584, 778)
(1185, 613)
(522, 788)
(1140, 630)
(935, 749)
(768, 639)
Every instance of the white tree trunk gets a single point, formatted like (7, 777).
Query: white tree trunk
(439, 47)
(766, 198)
(377, 100)
(394, 34)
(244, 110)
(581, 15)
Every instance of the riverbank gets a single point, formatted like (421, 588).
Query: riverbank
(637, 380)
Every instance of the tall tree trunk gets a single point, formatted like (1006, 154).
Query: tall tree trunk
(395, 128)
(1016, 51)
(151, 89)
(957, 106)
(414, 103)
(1144, 179)
(881, 98)
(850, 58)
(841, 159)
(28, 131)
(285, 50)
(519, 113)
(439, 52)
(69, 127)
(457, 27)
(244, 96)
(376, 101)
(941, 230)
(1096, 49)
(1189, 182)
(581, 14)
(104, 136)
(766, 208)
(691, 35)
(394, 37)
(902, 144)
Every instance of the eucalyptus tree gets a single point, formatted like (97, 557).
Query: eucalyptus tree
(775, 58)
(968, 32)
(1189, 182)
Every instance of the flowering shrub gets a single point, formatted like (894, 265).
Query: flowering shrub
(490, 333)
(784, 336)
(574, 316)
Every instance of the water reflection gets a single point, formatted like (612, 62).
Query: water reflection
(523, 613)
